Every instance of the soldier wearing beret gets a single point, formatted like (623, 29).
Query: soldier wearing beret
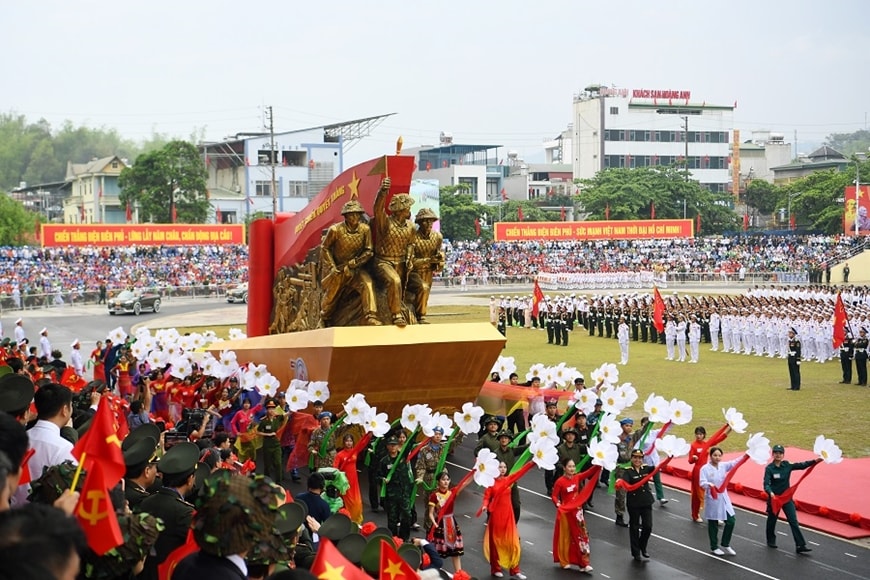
(178, 467)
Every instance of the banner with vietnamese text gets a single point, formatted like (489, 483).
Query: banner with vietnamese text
(593, 230)
(54, 235)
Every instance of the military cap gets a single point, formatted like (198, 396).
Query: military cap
(627, 421)
(290, 517)
(507, 434)
(146, 430)
(16, 393)
(491, 419)
(271, 404)
(140, 453)
(411, 554)
(571, 431)
(552, 402)
(336, 527)
(181, 458)
(425, 214)
(371, 556)
(392, 440)
(6, 341)
(351, 547)
(401, 201)
(778, 449)
(353, 206)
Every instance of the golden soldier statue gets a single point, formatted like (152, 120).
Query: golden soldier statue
(345, 249)
(428, 259)
(394, 234)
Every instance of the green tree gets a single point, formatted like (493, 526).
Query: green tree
(849, 143)
(172, 176)
(459, 212)
(16, 223)
(762, 195)
(631, 194)
(816, 199)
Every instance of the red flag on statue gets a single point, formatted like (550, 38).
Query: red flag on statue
(129, 214)
(100, 444)
(477, 226)
(652, 210)
(840, 321)
(537, 298)
(658, 310)
(520, 213)
(698, 220)
(791, 221)
(745, 222)
(562, 213)
(95, 512)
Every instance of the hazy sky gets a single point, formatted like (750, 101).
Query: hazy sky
(500, 73)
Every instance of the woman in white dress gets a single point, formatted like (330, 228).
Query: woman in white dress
(717, 504)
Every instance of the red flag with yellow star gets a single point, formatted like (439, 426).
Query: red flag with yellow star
(101, 445)
(393, 567)
(95, 512)
(330, 564)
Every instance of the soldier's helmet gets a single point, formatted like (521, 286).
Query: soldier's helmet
(425, 214)
(401, 201)
(353, 206)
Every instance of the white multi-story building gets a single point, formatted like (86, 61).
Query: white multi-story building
(649, 127)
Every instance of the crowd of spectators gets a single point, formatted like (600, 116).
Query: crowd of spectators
(513, 261)
(29, 270)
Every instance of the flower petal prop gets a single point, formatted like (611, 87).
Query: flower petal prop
(236, 334)
(603, 454)
(318, 391)
(414, 415)
(673, 446)
(437, 420)
(485, 468)
(606, 375)
(536, 370)
(117, 335)
(268, 386)
(228, 358)
(504, 366)
(356, 409)
(609, 429)
(468, 419)
(628, 394)
(758, 448)
(543, 428)
(681, 412)
(181, 367)
(611, 400)
(584, 400)
(827, 450)
(378, 424)
(657, 408)
(297, 399)
(544, 453)
(735, 420)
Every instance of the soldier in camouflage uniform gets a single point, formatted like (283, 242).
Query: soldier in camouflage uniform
(316, 442)
(394, 234)
(626, 443)
(427, 463)
(397, 497)
(428, 259)
(344, 251)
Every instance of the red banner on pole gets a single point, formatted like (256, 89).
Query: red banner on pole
(595, 230)
(54, 235)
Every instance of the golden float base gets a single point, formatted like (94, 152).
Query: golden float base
(443, 365)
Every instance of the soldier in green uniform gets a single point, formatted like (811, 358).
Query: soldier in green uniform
(489, 439)
(326, 457)
(396, 473)
(140, 459)
(624, 450)
(428, 259)
(168, 504)
(268, 429)
(509, 456)
(776, 482)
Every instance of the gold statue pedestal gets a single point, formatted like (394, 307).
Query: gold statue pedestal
(442, 365)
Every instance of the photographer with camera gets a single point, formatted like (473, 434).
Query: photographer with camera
(139, 408)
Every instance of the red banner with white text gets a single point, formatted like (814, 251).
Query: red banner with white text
(54, 235)
(594, 230)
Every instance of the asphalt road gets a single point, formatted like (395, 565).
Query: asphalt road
(679, 547)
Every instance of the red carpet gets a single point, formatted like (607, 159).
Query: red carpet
(830, 500)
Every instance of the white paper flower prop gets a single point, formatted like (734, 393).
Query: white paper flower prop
(268, 385)
(318, 391)
(356, 409)
(673, 446)
(166, 336)
(236, 334)
(139, 350)
(297, 399)
(185, 343)
(628, 394)
(543, 428)
(437, 420)
(606, 375)
(657, 409)
(735, 420)
(603, 454)
(504, 366)
(544, 453)
(157, 359)
(468, 419)
(681, 412)
(255, 373)
(298, 384)
(181, 367)
(485, 468)
(378, 424)
(228, 357)
(117, 335)
(758, 448)
(611, 400)
(827, 450)
(536, 370)
(609, 429)
(584, 400)
(414, 415)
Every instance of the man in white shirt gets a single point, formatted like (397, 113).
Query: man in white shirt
(44, 344)
(75, 358)
(19, 330)
(54, 410)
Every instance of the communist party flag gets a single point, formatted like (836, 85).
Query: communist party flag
(537, 298)
(658, 310)
(393, 567)
(101, 445)
(95, 512)
(330, 564)
(840, 322)
(70, 379)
